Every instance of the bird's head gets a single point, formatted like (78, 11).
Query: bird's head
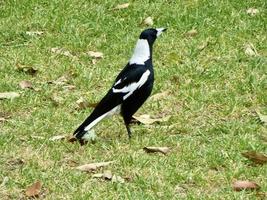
(151, 34)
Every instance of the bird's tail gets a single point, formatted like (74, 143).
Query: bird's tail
(106, 107)
(85, 127)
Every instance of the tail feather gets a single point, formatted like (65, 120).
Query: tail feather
(85, 126)
(109, 105)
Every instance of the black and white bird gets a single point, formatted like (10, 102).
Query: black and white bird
(130, 90)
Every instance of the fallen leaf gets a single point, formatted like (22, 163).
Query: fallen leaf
(107, 175)
(2, 119)
(262, 117)
(192, 33)
(34, 33)
(250, 50)
(61, 51)
(117, 179)
(71, 163)
(69, 87)
(160, 95)
(94, 61)
(252, 11)
(93, 166)
(62, 80)
(245, 185)
(148, 21)
(163, 150)
(145, 119)
(25, 84)
(57, 100)
(121, 6)
(58, 137)
(16, 161)
(9, 95)
(181, 191)
(26, 69)
(95, 54)
(34, 190)
(257, 158)
(83, 104)
(100, 175)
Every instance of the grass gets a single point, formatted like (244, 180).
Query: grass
(214, 93)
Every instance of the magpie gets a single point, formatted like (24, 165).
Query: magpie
(130, 90)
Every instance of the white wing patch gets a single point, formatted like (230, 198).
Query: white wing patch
(141, 52)
(129, 89)
(113, 111)
(118, 82)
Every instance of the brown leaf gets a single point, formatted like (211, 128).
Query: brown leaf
(257, 158)
(100, 175)
(69, 87)
(61, 51)
(2, 119)
(94, 61)
(192, 33)
(62, 80)
(93, 166)
(95, 54)
(9, 95)
(163, 150)
(160, 95)
(262, 117)
(250, 50)
(25, 84)
(57, 100)
(252, 11)
(245, 185)
(83, 104)
(58, 137)
(34, 33)
(26, 69)
(148, 21)
(34, 190)
(16, 161)
(107, 175)
(117, 179)
(121, 6)
(145, 119)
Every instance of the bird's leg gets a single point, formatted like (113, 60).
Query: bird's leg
(128, 130)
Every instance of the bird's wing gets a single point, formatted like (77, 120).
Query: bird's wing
(128, 81)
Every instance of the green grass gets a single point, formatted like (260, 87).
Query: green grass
(214, 94)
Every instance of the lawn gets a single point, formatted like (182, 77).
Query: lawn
(211, 62)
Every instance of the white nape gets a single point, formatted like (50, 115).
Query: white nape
(141, 52)
(115, 110)
(129, 89)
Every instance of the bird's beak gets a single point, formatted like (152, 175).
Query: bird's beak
(160, 30)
